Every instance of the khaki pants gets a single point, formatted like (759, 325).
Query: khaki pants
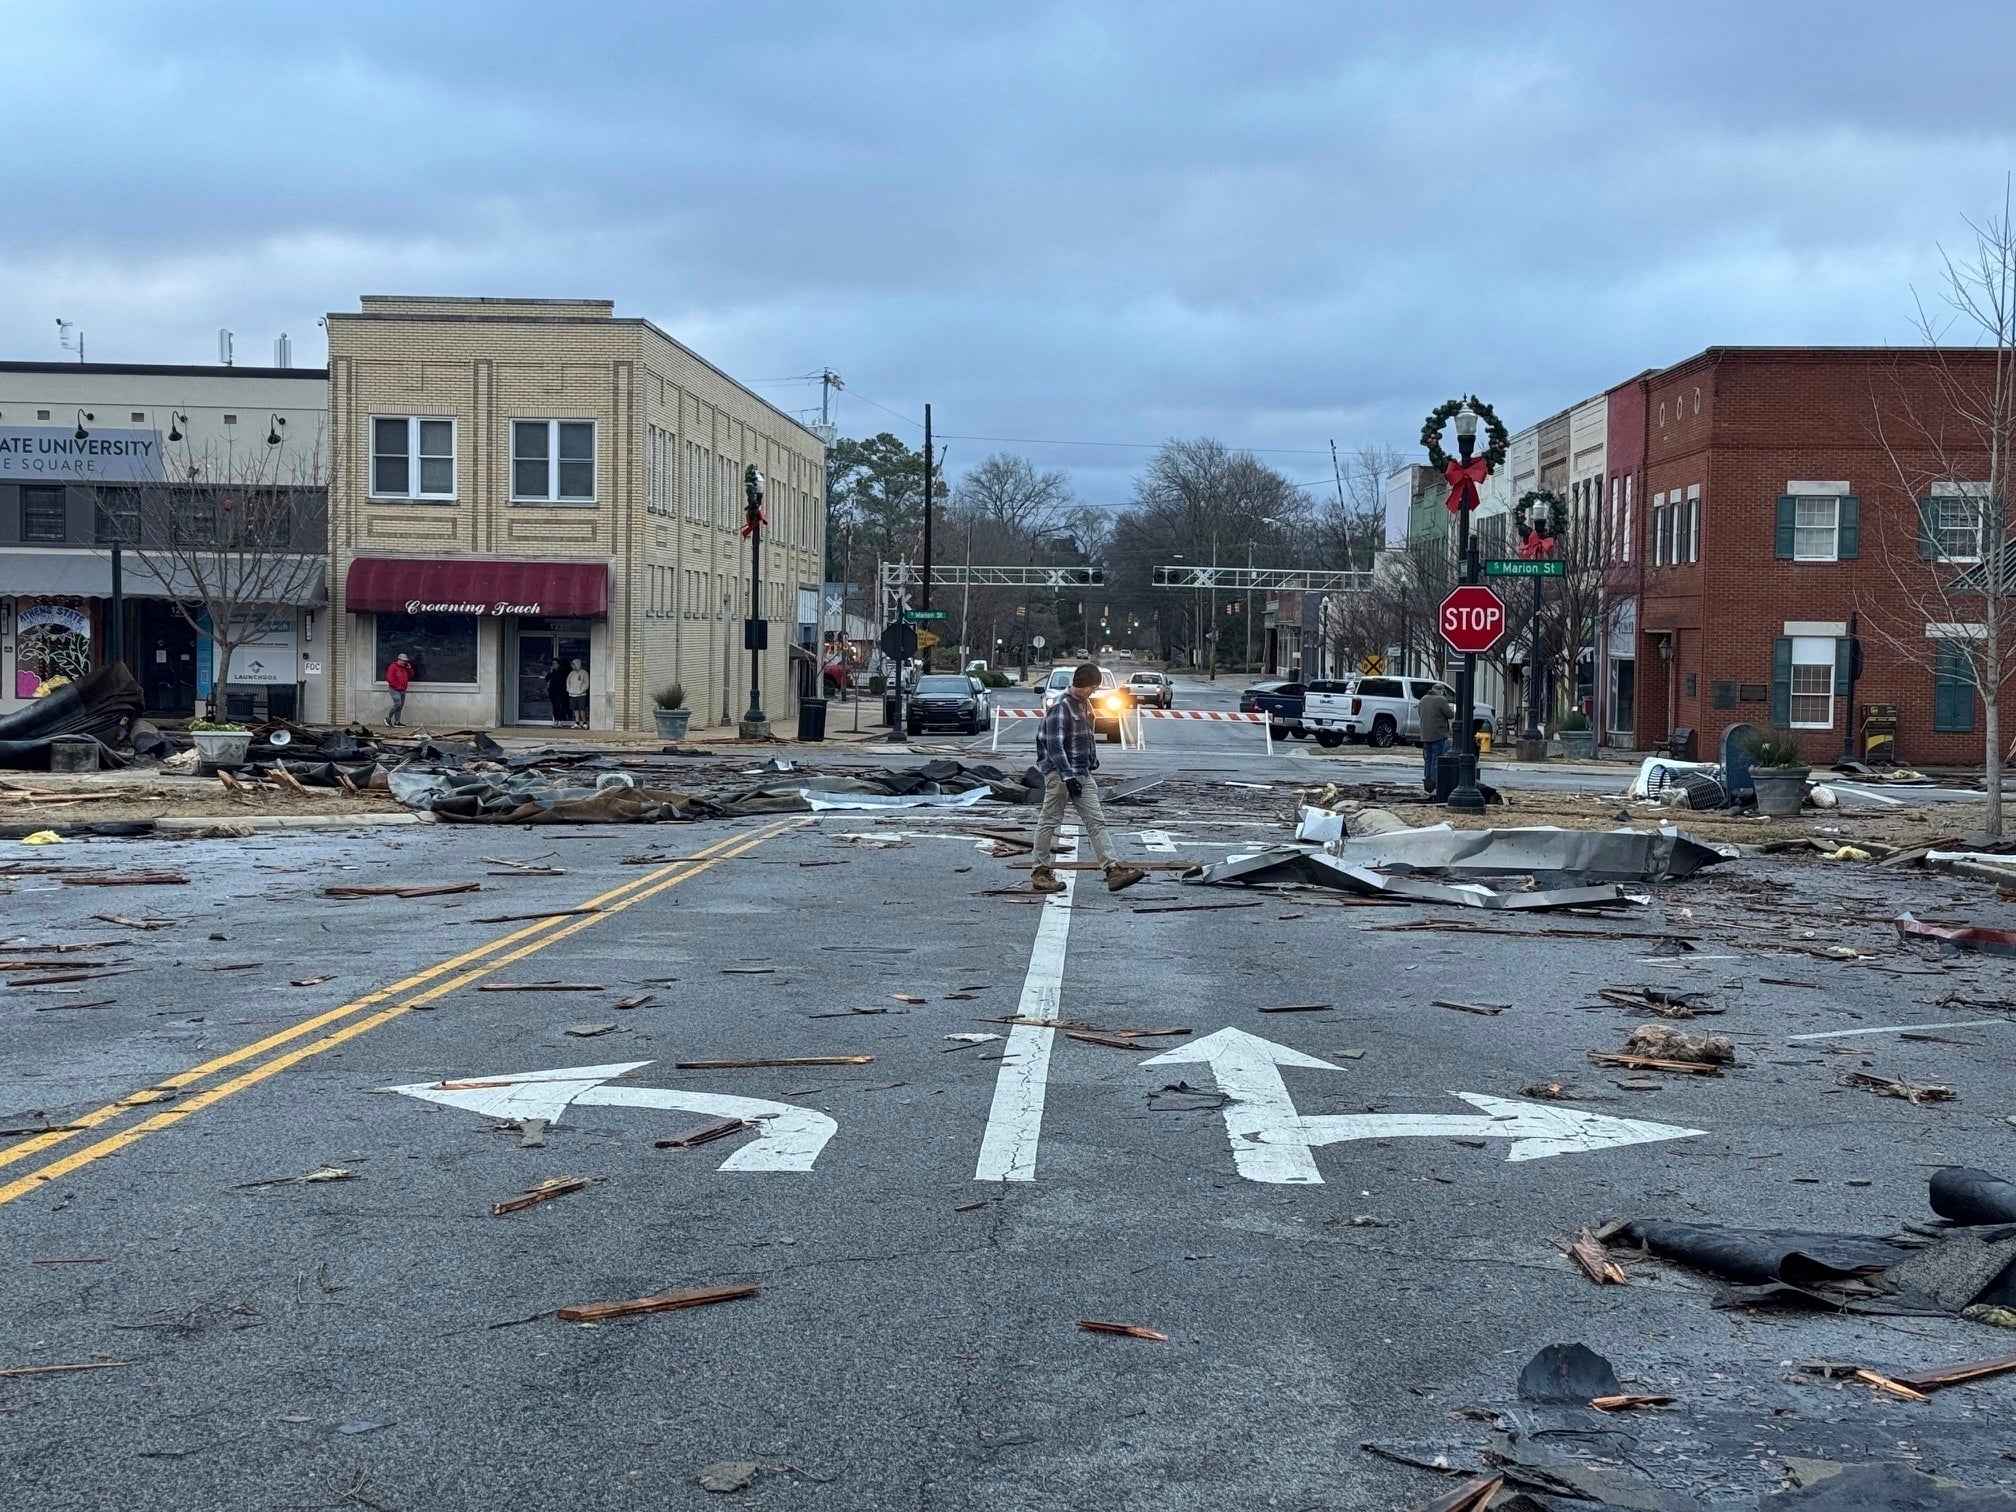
(1090, 817)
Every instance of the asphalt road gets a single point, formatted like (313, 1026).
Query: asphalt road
(385, 1341)
(1240, 750)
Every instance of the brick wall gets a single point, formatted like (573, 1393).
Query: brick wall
(1743, 423)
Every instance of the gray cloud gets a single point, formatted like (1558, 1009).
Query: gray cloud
(1275, 224)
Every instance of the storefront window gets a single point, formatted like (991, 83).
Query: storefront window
(442, 647)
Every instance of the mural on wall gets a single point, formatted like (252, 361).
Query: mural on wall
(52, 646)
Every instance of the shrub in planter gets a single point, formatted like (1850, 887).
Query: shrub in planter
(995, 679)
(671, 714)
(1576, 738)
(219, 742)
(1778, 770)
(878, 685)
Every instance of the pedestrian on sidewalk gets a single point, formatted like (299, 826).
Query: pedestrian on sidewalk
(577, 694)
(1436, 715)
(1069, 751)
(398, 675)
(556, 692)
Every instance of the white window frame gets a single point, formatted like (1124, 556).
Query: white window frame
(1976, 494)
(1814, 646)
(1833, 528)
(414, 470)
(1693, 522)
(552, 495)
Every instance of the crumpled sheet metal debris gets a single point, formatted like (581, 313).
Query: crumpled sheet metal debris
(820, 803)
(100, 707)
(1321, 870)
(1566, 855)
(2001, 942)
(1886, 1488)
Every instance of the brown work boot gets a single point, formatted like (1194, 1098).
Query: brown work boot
(1118, 876)
(1043, 880)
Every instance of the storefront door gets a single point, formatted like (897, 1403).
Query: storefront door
(1623, 696)
(535, 644)
(162, 647)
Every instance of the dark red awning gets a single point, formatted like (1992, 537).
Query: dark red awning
(416, 585)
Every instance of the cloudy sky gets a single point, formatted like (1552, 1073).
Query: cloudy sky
(1274, 223)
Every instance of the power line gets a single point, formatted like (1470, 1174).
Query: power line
(1297, 451)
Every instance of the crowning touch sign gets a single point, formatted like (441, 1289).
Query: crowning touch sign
(415, 606)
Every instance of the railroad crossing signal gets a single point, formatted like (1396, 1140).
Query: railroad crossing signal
(1472, 619)
(1372, 664)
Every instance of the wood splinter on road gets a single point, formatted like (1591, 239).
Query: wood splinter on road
(30, 1370)
(1597, 1265)
(545, 1191)
(596, 1312)
(780, 1060)
(705, 1134)
(1126, 1330)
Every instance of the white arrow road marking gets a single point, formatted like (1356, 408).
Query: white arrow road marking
(1261, 1121)
(1015, 1122)
(1272, 1142)
(788, 1139)
(1535, 1129)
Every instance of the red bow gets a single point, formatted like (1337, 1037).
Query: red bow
(1463, 479)
(750, 527)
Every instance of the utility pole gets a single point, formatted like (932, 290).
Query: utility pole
(829, 384)
(927, 523)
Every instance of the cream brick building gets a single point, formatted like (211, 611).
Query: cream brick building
(519, 479)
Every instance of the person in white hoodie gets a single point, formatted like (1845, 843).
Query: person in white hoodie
(577, 693)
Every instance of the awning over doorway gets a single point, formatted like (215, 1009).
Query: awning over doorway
(461, 585)
(52, 572)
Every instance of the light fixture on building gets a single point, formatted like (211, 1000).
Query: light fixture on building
(175, 424)
(82, 416)
(274, 426)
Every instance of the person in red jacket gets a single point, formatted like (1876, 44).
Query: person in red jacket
(397, 676)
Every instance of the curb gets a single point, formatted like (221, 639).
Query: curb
(185, 822)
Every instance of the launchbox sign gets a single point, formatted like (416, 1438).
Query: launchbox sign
(56, 454)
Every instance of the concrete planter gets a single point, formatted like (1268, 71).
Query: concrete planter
(672, 722)
(222, 747)
(1577, 745)
(1780, 790)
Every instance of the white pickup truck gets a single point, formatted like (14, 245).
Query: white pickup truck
(1381, 710)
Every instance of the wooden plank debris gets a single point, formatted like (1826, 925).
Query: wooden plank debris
(1883, 1086)
(128, 879)
(1889, 1387)
(596, 1312)
(1486, 1010)
(33, 1370)
(1645, 1063)
(1954, 1375)
(1126, 1330)
(780, 1060)
(1628, 1400)
(545, 1191)
(399, 890)
(551, 913)
(1297, 1008)
(1596, 1264)
(126, 923)
(705, 1134)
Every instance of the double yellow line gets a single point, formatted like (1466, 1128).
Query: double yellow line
(435, 982)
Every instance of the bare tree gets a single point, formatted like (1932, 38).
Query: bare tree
(1948, 427)
(1009, 489)
(1348, 525)
(236, 537)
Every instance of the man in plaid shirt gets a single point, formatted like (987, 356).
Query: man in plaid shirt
(1067, 746)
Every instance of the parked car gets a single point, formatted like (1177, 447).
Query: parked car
(1110, 700)
(839, 678)
(1152, 688)
(1281, 702)
(1382, 711)
(949, 700)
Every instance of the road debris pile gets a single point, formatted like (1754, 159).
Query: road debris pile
(1965, 1266)
(1566, 868)
(98, 710)
(1581, 1437)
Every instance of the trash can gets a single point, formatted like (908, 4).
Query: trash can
(811, 719)
(1879, 733)
(889, 710)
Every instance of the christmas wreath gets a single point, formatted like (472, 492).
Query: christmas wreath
(1539, 535)
(1496, 437)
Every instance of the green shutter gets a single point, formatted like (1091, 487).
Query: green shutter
(1849, 542)
(1928, 530)
(1787, 506)
(1781, 679)
(1844, 655)
(1952, 691)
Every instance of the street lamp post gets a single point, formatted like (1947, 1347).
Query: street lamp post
(1465, 797)
(755, 629)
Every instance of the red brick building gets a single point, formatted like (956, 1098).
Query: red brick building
(1778, 497)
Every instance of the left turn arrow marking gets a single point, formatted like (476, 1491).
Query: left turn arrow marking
(789, 1138)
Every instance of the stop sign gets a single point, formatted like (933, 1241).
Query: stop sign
(1472, 618)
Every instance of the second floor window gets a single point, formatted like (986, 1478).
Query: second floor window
(45, 514)
(553, 461)
(1817, 527)
(412, 457)
(1953, 522)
